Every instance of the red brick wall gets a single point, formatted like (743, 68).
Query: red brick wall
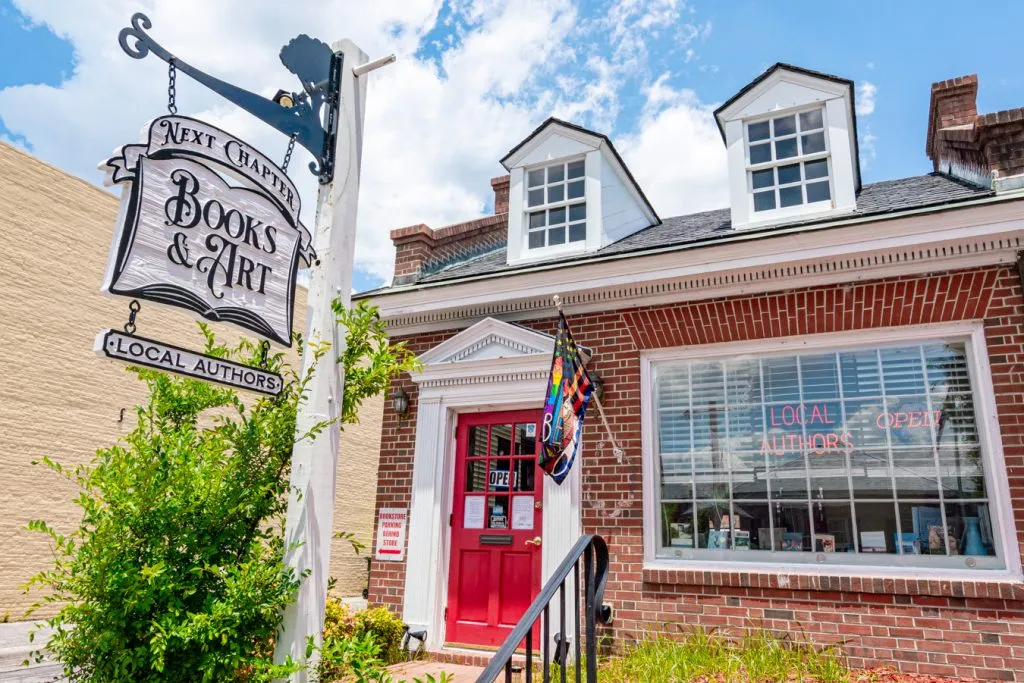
(965, 628)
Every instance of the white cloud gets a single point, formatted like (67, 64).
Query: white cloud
(677, 155)
(866, 91)
(435, 126)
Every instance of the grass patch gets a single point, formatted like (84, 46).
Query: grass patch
(702, 655)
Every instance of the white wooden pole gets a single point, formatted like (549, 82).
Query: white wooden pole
(310, 518)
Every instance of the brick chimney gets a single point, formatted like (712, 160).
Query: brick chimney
(420, 250)
(985, 149)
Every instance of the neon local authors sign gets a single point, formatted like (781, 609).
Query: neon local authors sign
(189, 238)
(821, 416)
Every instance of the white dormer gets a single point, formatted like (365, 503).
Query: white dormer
(569, 193)
(791, 137)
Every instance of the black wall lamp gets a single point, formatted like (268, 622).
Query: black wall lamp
(400, 402)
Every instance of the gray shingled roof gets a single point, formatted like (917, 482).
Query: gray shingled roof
(934, 189)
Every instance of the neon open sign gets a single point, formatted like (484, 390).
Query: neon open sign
(827, 435)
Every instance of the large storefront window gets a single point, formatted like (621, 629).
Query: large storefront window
(869, 452)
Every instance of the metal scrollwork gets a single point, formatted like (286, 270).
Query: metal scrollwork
(311, 60)
(143, 43)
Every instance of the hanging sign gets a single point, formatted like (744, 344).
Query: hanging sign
(207, 223)
(161, 356)
(391, 523)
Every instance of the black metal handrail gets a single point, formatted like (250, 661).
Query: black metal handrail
(593, 552)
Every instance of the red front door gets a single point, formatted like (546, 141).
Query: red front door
(495, 562)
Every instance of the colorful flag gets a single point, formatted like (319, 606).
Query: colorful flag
(569, 390)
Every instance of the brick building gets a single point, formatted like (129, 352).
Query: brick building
(817, 390)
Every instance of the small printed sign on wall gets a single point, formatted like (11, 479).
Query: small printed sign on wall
(391, 527)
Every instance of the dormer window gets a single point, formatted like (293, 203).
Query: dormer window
(556, 205)
(787, 160)
(569, 193)
(791, 141)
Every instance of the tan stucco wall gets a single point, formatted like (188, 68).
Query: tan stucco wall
(58, 399)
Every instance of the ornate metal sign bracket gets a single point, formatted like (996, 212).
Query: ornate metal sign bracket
(318, 68)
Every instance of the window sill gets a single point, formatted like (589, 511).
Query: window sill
(991, 584)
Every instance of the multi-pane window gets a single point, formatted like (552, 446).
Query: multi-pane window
(871, 452)
(788, 162)
(500, 466)
(556, 209)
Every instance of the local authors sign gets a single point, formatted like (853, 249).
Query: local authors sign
(160, 356)
(188, 237)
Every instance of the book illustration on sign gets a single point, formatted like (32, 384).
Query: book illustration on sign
(185, 237)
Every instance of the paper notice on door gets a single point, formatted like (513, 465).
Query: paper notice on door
(473, 514)
(522, 512)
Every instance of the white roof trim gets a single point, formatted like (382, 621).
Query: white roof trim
(489, 339)
(825, 85)
(539, 138)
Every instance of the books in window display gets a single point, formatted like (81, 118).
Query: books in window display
(825, 543)
(718, 539)
(910, 543)
(924, 518)
(767, 541)
(741, 539)
(793, 541)
(872, 542)
(937, 540)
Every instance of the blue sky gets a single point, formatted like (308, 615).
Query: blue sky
(474, 77)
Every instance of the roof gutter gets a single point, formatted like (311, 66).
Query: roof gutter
(742, 237)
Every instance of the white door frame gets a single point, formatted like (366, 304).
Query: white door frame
(491, 366)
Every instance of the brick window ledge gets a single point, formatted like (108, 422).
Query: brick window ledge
(1005, 587)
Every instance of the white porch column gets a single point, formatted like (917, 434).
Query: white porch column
(426, 516)
(561, 526)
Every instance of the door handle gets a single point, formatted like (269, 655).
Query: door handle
(536, 541)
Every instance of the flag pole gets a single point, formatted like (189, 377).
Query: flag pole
(618, 452)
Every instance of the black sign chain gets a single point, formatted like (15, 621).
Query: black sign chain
(172, 73)
(264, 350)
(133, 310)
(288, 153)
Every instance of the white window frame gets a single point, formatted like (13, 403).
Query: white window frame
(749, 168)
(567, 246)
(986, 418)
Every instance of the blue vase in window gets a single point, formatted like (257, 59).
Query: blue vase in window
(973, 544)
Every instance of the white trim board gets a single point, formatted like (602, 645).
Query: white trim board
(988, 430)
(492, 375)
(862, 250)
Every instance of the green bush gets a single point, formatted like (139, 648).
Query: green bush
(344, 627)
(175, 571)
